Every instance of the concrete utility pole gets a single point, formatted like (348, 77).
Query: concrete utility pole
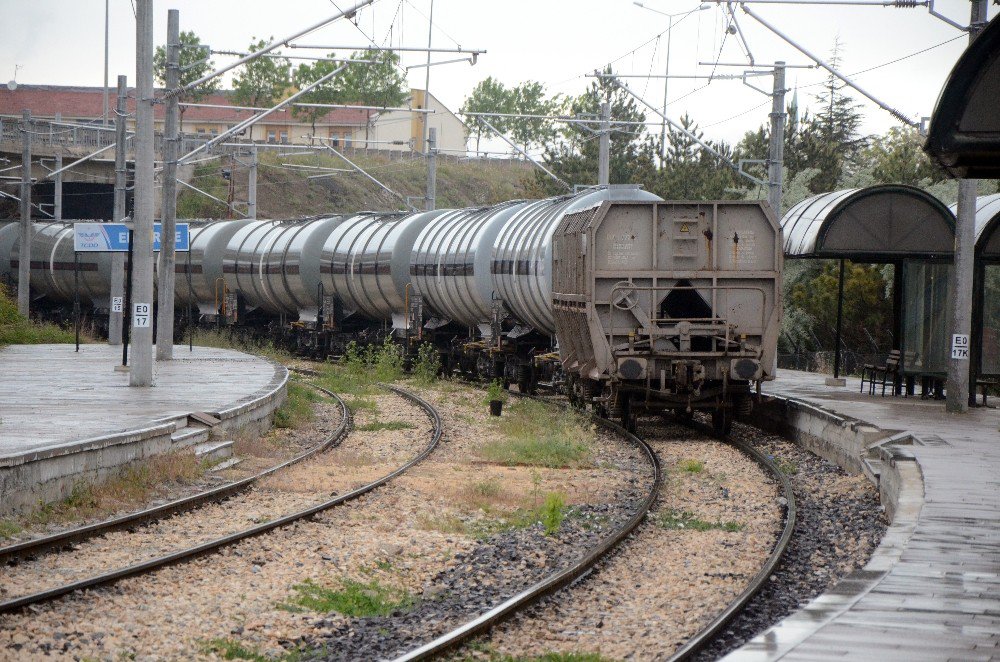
(604, 148)
(431, 169)
(141, 373)
(168, 214)
(58, 180)
(107, 35)
(427, 80)
(959, 372)
(24, 255)
(776, 154)
(118, 259)
(252, 185)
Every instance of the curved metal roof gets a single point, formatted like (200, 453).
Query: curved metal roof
(877, 223)
(964, 133)
(987, 225)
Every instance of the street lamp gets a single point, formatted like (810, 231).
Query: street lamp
(666, 79)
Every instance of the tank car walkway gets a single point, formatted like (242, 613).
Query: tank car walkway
(52, 397)
(932, 593)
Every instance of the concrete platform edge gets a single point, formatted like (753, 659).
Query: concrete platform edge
(50, 473)
(846, 442)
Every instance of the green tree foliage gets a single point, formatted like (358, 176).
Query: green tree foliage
(326, 92)
(529, 99)
(488, 96)
(811, 308)
(690, 172)
(898, 157)
(261, 82)
(574, 156)
(378, 84)
(194, 62)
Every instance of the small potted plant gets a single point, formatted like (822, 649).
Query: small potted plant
(496, 395)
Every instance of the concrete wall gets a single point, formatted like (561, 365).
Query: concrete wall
(840, 440)
(50, 474)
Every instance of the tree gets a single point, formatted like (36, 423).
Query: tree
(380, 84)
(691, 172)
(261, 82)
(574, 155)
(898, 157)
(838, 125)
(528, 98)
(326, 93)
(488, 96)
(195, 63)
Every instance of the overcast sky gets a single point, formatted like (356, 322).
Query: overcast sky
(556, 42)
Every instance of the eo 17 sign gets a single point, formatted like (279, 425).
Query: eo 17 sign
(960, 346)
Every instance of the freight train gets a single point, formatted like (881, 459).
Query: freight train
(625, 301)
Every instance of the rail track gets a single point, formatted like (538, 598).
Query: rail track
(211, 546)
(38, 546)
(564, 577)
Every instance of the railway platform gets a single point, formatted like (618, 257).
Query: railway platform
(932, 589)
(68, 416)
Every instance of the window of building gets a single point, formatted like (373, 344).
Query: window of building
(200, 130)
(347, 140)
(271, 136)
(336, 140)
(284, 137)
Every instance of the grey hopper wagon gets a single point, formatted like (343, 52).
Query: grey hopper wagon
(669, 305)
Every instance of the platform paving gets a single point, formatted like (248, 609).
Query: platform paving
(51, 396)
(940, 599)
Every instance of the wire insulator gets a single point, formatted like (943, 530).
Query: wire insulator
(907, 4)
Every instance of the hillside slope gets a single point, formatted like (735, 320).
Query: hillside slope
(284, 189)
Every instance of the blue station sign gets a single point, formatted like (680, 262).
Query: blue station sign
(113, 237)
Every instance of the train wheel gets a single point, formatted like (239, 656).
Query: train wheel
(524, 378)
(683, 416)
(722, 421)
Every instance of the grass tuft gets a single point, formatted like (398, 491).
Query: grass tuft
(540, 435)
(230, 649)
(353, 598)
(297, 410)
(357, 404)
(787, 467)
(130, 488)
(550, 515)
(385, 425)
(673, 520)
(9, 528)
(692, 466)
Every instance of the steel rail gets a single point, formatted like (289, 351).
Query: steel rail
(212, 546)
(57, 541)
(708, 633)
(557, 581)
(561, 578)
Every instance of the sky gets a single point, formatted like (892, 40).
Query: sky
(556, 42)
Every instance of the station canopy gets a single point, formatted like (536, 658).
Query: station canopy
(885, 223)
(964, 133)
(988, 226)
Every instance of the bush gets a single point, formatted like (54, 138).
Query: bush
(428, 364)
(16, 330)
(496, 391)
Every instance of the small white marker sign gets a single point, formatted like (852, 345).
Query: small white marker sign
(116, 304)
(960, 346)
(140, 315)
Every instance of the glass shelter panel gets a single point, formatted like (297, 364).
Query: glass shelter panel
(989, 362)
(925, 318)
